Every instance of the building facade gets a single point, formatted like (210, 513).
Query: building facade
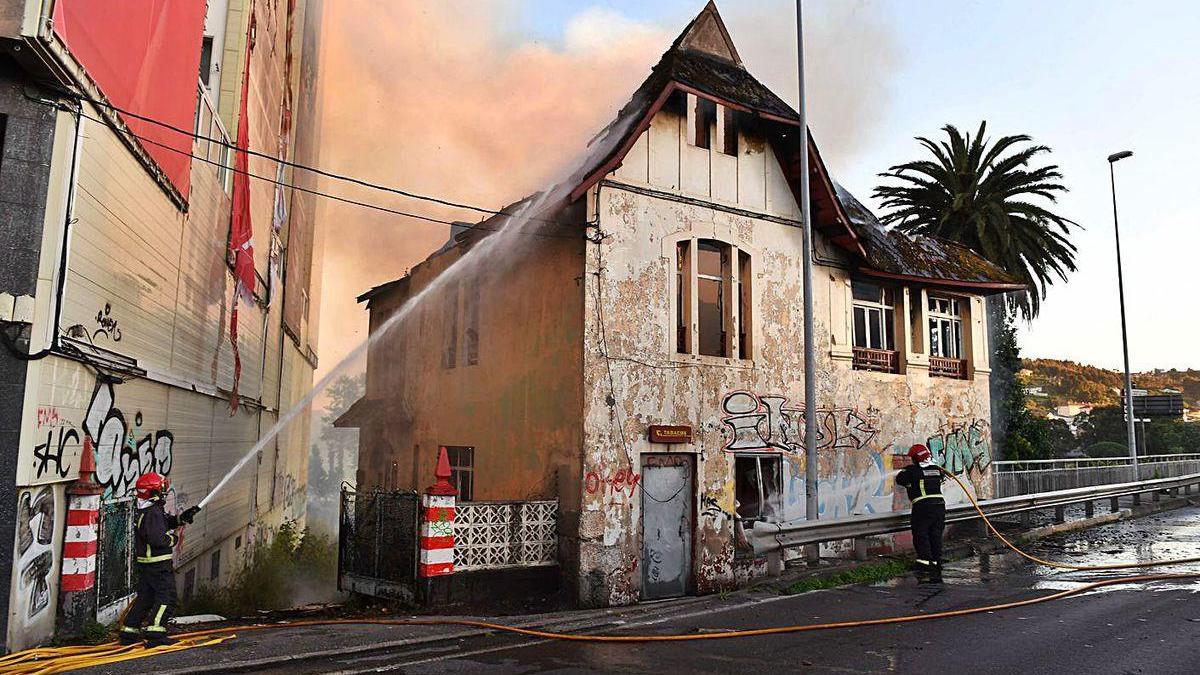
(635, 349)
(117, 290)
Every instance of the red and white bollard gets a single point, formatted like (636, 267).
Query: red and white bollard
(79, 546)
(437, 528)
(77, 595)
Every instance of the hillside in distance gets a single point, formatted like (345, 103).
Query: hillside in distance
(1065, 382)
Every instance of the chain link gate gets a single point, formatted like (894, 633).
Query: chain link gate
(377, 543)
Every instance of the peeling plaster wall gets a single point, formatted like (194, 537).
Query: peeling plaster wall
(633, 378)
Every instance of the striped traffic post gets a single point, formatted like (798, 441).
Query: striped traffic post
(437, 531)
(77, 588)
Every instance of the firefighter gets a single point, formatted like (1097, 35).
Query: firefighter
(923, 480)
(154, 538)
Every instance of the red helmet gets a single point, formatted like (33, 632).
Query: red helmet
(151, 485)
(919, 453)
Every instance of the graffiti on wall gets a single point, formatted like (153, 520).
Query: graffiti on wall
(768, 424)
(35, 549)
(106, 325)
(49, 458)
(121, 454)
(621, 484)
(962, 448)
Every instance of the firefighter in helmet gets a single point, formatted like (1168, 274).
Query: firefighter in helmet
(154, 539)
(923, 480)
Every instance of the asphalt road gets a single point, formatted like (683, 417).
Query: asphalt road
(1133, 628)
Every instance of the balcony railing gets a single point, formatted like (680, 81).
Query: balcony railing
(879, 360)
(943, 367)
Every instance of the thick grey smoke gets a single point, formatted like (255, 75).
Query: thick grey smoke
(442, 98)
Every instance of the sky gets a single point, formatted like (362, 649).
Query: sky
(485, 100)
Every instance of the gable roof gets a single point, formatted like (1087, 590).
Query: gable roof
(704, 61)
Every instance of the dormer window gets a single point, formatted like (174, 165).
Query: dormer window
(701, 113)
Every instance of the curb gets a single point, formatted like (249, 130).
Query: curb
(618, 616)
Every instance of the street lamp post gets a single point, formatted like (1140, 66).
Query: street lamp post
(810, 360)
(1132, 438)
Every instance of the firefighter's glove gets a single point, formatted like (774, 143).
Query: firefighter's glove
(189, 515)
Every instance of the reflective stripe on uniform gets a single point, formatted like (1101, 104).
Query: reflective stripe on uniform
(158, 616)
(925, 496)
(923, 562)
(154, 558)
(127, 629)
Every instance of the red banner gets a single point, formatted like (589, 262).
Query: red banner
(145, 56)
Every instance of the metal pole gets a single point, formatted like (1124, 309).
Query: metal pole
(810, 354)
(1124, 331)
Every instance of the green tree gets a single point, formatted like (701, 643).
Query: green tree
(334, 455)
(986, 197)
(1020, 434)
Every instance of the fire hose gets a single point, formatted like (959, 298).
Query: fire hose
(43, 661)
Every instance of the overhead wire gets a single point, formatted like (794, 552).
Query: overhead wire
(319, 193)
(295, 165)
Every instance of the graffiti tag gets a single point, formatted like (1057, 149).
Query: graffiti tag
(106, 325)
(622, 483)
(34, 544)
(768, 424)
(120, 459)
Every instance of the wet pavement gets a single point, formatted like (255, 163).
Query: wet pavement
(1149, 627)
(1139, 627)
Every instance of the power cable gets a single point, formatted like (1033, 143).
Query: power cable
(319, 193)
(303, 167)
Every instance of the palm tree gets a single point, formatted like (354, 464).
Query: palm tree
(979, 196)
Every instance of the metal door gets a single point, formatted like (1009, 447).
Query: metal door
(667, 515)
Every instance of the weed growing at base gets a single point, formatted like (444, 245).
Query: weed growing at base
(295, 564)
(863, 574)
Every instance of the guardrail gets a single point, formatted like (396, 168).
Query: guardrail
(771, 537)
(1048, 475)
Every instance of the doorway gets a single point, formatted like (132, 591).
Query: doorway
(667, 524)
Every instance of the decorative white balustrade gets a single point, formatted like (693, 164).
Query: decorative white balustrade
(491, 535)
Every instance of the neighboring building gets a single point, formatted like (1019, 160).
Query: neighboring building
(117, 287)
(668, 293)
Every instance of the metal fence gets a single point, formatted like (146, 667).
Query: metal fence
(1049, 475)
(492, 535)
(377, 543)
(114, 552)
(769, 537)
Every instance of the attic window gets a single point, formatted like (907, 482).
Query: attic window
(701, 114)
(727, 135)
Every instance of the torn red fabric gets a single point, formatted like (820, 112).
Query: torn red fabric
(241, 231)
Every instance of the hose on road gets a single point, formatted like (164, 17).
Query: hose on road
(44, 661)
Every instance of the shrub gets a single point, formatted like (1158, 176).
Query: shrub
(294, 568)
(1108, 449)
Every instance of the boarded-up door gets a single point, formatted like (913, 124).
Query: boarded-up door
(667, 495)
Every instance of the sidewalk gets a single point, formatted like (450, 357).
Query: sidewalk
(286, 648)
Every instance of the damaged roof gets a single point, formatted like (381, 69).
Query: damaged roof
(897, 255)
(704, 61)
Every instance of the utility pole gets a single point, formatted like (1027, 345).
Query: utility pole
(810, 354)
(1132, 435)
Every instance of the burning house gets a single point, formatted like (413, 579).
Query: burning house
(637, 357)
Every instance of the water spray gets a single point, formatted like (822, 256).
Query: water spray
(512, 226)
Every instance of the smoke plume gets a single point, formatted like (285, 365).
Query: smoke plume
(443, 98)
